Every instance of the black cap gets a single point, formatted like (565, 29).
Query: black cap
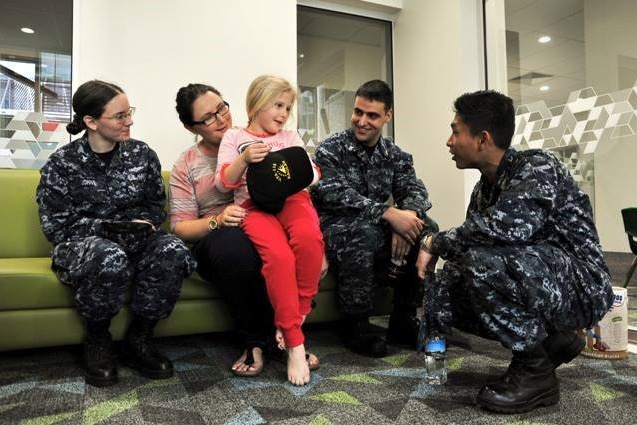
(280, 174)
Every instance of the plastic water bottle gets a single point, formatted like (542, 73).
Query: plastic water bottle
(436, 359)
(431, 342)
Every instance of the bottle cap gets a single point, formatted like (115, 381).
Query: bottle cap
(436, 346)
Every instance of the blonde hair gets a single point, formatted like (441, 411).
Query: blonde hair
(263, 91)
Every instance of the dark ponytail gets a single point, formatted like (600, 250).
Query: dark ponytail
(76, 125)
(89, 100)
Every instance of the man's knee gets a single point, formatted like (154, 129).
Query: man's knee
(346, 242)
(108, 257)
(480, 269)
(481, 259)
(485, 265)
(171, 254)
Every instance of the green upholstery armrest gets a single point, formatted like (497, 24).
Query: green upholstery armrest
(30, 283)
(20, 234)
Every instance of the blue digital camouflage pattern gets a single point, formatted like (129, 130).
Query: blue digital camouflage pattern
(355, 189)
(78, 192)
(527, 260)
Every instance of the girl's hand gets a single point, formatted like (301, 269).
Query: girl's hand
(255, 153)
(324, 267)
(232, 216)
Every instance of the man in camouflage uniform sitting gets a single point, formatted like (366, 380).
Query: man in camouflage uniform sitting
(372, 208)
(526, 267)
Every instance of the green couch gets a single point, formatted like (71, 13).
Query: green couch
(36, 310)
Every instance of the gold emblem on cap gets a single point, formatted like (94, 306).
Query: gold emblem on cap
(281, 171)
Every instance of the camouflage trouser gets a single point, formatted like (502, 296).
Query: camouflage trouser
(359, 254)
(99, 272)
(517, 295)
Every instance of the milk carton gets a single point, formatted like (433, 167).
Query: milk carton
(609, 338)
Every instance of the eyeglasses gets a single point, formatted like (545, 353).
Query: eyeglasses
(122, 116)
(213, 117)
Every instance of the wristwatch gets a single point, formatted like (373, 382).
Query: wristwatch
(213, 224)
(423, 243)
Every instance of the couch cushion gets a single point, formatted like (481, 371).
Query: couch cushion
(19, 220)
(29, 283)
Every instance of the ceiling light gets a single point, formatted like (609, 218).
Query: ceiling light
(544, 39)
(27, 30)
(545, 88)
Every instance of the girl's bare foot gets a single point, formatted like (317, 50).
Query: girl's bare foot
(298, 370)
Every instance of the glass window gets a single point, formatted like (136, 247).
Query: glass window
(337, 53)
(35, 80)
(571, 68)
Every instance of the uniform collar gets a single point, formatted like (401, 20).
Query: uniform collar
(87, 156)
(506, 163)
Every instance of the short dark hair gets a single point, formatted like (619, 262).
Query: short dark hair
(377, 90)
(89, 100)
(488, 110)
(187, 95)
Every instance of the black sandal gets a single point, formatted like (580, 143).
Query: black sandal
(282, 357)
(249, 361)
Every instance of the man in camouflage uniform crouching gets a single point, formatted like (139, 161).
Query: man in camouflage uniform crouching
(102, 211)
(372, 208)
(526, 267)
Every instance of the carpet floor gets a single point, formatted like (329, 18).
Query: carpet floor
(45, 386)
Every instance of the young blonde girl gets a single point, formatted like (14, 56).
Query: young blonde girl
(290, 242)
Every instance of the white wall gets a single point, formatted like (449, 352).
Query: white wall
(151, 48)
(609, 30)
(610, 35)
(437, 58)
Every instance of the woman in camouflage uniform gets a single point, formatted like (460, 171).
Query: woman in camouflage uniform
(101, 200)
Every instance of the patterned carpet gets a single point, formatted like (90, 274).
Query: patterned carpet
(45, 386)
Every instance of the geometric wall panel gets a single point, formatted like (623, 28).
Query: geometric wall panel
(29, 139)
(574, 130)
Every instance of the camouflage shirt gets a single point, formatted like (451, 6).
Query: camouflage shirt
(78, 189)
(356, 184)
(534, 200)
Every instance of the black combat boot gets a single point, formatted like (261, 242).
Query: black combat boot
(360, 337)
(562, 347)
(140, 353)
(403, 326)
(100, 367)
(530, 382)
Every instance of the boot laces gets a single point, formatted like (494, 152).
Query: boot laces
(99, 351)
(145, 345)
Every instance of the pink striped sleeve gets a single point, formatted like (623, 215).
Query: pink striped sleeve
(227, 154)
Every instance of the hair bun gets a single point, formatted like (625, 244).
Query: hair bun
(76, 125)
